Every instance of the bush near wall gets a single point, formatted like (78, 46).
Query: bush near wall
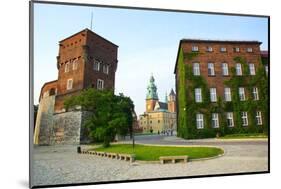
(188, 108)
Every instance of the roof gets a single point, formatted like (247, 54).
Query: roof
(88, 30)
(44, 85)
(163, 106)
(264, 54)
(218, 41)
(210, 41)
(172, 93)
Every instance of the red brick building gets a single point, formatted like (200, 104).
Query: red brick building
(212, 78)
(85, 60)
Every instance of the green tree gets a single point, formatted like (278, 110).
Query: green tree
(111, 114)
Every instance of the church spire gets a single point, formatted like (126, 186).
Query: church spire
(152, 89)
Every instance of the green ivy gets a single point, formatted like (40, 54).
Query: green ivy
(188, 108)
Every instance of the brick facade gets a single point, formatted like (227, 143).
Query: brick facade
(76, 71)
(197, 55)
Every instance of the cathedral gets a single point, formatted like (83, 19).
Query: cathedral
(159, 117)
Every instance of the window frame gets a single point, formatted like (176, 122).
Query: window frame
(225, 71)
(259, 118)
(227, 94)
(102, 84)
(75, 64)
(215, 120)
(223, 49)
(231, 118)
(238, 67)
(66, 67)
(98, 63)
(196, 68)
(244, 117)
(211, 68)
(255, 93)
(68, 86)
(252, 69)
(199, 121)
(194, 48)
(107, 69)
(198, 95)
(241, 92)
(249, 49)
(209, 49)
(213, 94)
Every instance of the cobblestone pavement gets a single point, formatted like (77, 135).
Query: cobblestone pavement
(62, 165)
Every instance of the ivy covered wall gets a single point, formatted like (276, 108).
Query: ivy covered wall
(188, 108)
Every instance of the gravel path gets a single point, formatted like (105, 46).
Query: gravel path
(62, 164)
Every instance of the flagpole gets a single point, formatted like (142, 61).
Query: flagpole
(91, 20)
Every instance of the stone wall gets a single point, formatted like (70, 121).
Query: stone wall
(44, 120)
(68, 128)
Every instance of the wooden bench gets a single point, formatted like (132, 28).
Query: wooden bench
(173, 159)
(127, 157)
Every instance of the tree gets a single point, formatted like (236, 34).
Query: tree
(111, 114)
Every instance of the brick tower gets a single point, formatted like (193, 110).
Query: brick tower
(172, 101)
(85, 60)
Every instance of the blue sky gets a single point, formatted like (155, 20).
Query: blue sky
(147, 40)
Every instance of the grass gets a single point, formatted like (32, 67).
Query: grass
(152, 153)
(244, 136)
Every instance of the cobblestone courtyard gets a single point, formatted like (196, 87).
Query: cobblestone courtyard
(62, 164)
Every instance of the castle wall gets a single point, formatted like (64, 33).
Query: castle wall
(68, 128)
(44, 120)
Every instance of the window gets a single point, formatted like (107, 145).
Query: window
(74, 64)
(242, 96)
(97, 65)
(255, 93)
(238, 69)
(66, 68)
(211, 69)
(258, 118)
(229, 119)
(266, 69)
(209, 49)
(199, 121)
(100, 84)
(249, 49)
(213, 94)
(105, 69)
(224, 69)
(195, 48)
(244, 118)
(227, 94)
(215, 120)
(196, 69)
(252, 69)
(198, 96)
(223, 49)
(236, 49)
(69, 84)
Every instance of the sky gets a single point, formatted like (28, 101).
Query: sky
(148, 41)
